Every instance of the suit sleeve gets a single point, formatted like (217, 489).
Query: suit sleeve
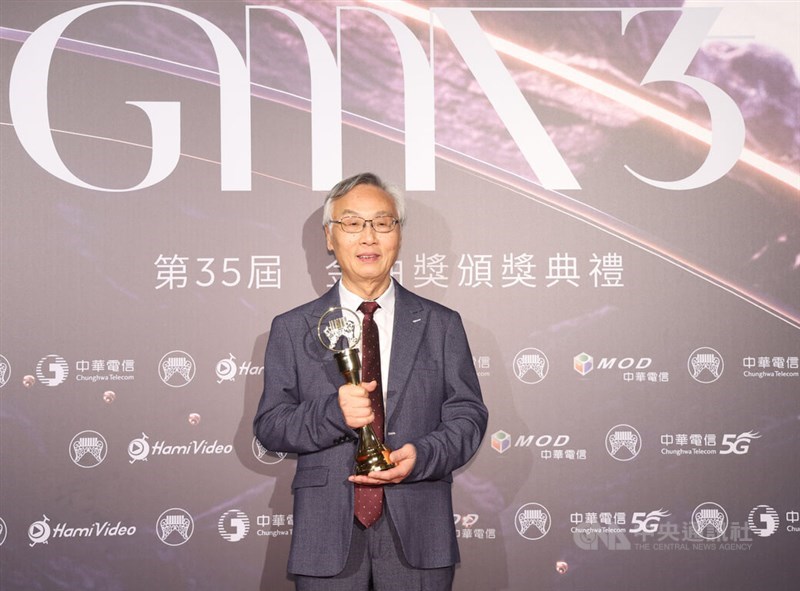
(288, 419)
(463, 413)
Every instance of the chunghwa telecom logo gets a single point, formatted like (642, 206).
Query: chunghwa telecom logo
(623, 443)
(531, 366)
(532, 521)
(233, 525)
(709, 521)
(88, 449)
(5, 371)
(52, 370)
(763, 521)
(705, 365)
(175, 526)
(176, 369)
(266, 456)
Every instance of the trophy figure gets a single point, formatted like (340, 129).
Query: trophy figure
(339, 330)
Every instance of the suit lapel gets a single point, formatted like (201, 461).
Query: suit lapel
(410, 320)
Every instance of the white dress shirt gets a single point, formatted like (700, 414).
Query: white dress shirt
(384, 319)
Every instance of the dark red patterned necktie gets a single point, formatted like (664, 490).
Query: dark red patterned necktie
(369, 499)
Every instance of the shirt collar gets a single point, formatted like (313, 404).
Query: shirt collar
(386, 300)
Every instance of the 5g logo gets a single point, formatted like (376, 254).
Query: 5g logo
(738, 444)
(647, 523)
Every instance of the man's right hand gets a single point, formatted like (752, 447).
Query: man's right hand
(355, 404)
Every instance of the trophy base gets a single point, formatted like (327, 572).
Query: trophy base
(375, 462)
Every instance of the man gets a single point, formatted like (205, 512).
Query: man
(422, 393)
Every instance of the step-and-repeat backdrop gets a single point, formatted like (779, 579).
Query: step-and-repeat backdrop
(606, 191)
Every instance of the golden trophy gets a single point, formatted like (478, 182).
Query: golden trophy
(339, 330)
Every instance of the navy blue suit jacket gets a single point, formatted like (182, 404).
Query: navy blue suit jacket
(433, 401)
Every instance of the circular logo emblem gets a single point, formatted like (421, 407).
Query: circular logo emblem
(139, 449)
(763, 520)
(532, 521)
(88, 449)
(265, 456)
(233, 525)
(175, 526)
(531, 366)
(52, 370)
(3, 531)
(5, 371)
(709, 521)
(39, 531)
(623, 443)
(176, 369)
(226, 369)
(705, 365)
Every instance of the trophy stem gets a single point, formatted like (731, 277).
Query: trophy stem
(372, 455)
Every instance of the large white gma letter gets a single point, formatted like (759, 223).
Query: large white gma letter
(29, 114)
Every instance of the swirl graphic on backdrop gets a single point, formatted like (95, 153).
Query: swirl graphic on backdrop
(175, 526)
(705, 365)
(3, 531)
(176, 369)
(531, 366)
(266, 456)
(5, 371)
(88, 449)
(623, 443)
(709, 520)
(532, 521)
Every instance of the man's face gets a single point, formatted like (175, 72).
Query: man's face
(366, 258)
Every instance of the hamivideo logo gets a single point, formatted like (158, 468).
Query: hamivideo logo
(176, 369)
(175, 526)
(52, 370)
(531, 366)
(763, 520)
(501, 441)
(623, 443)
(41, 532)
(233, 525)
(140, 449)
(3, 531)
(583, 363)
(266, 456)
(705, 365)
(532, 521)
(227, 369)
(5, 371)
(709, 521)
(88, 449)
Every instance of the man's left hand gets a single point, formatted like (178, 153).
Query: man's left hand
(404, 460)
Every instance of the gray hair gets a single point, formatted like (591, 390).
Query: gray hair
(364, 178)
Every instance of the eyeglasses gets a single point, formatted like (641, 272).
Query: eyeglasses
(353, 224)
